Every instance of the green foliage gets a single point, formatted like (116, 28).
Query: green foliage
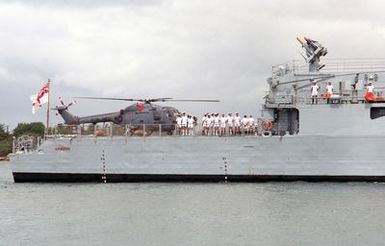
(3, 133)
(33, 129)
(6, 146)
(5, 141)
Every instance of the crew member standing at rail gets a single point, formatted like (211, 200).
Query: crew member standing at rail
(216, 124)
(223, 125)
(369, 95)
(178, 124)
(237, 123)
(190, 125)
(329, 91)
(212, 124)
(245, 125)
(314, 93)
(251, 125)
(204, 124)
(184, 124)
(207, 124)
(230, 124)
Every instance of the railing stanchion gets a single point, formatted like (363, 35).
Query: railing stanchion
(144, 130)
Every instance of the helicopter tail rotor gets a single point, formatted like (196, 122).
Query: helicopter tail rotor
(64, 106)
(62, 111)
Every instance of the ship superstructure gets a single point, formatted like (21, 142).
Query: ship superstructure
(289, 104)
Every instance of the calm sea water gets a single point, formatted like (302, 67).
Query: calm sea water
(191, 214)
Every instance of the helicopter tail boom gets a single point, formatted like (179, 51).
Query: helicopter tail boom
(68, 118)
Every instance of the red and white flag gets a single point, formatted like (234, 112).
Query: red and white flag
(40, 98)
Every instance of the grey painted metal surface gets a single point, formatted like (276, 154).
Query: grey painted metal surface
(288, 155)
(344, 137)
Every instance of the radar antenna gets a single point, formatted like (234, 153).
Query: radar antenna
(313, 51)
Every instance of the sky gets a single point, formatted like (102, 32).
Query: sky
(201, 49)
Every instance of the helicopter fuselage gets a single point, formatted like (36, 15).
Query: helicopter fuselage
(135, 115)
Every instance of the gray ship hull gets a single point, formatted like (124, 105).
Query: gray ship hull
(207, 159)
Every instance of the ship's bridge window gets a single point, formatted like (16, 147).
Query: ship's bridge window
(377, 112)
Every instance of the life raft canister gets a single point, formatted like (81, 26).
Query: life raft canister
(369, 97)
(267, 125)
(326, 95)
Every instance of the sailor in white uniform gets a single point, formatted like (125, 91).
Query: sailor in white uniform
(230, 123)
(369, 95)
(223, 119)
(251, 125)
(178, 125)
(184, 124)
(203, 124)
(207, 124)
(314, 93)
(245, 124)
(237, 123)
(329, 91)
(190, 125)
(370, 87)
(211, 130)
(216, 124)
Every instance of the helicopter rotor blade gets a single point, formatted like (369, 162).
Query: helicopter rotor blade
(61, 101)
(113, 98)
(161, 99)
(71, 103)
(193, 100)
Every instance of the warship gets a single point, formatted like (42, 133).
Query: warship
(335, 136)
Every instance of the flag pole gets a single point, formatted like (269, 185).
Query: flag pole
(48, 104)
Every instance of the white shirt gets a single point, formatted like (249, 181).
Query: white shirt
(329, 89)
(216, 120)
(370, 88)
(251, 121)
(190, 122)
(223, 121)
(184, 120)
(229, 120)
(314, 90)
(179, 121)
(208, 121)
(245, 121)
(203, 120)
(237, 120)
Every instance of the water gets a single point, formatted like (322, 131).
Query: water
(191, 214)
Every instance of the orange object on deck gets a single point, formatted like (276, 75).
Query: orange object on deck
(369, 97)
(326, 95)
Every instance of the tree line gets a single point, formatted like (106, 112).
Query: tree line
(35, 129)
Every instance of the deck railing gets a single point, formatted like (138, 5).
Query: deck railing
(332, 65)
(143, 130)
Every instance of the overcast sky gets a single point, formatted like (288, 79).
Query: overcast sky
(214, 49)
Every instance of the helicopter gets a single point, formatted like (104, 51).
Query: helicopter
(142, 113)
